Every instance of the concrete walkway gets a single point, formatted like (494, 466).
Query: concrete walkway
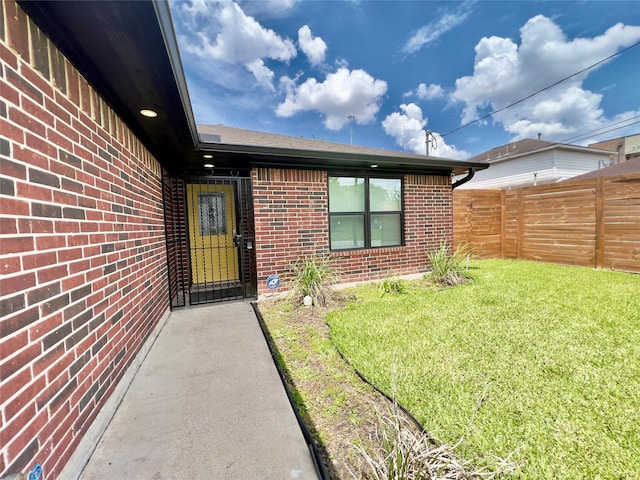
(207, 403)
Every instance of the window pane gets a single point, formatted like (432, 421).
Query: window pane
(347, 231)
(385, 230)
(346, 194)
(385, 194)
(213, 217)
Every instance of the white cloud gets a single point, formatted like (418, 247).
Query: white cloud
(345, 92)
(314, 48)
(227, 36)
(341, 63)
(442, 149)
(431, 32)
(426, 92)
(407, 129)
(268, 8)
(625, 125)
(505, 72)
(262, 74)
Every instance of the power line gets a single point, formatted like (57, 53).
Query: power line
(598, 132)
(541, 90)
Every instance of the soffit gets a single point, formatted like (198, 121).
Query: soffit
(119, 47)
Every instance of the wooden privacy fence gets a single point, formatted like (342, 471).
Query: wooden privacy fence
(592, 223)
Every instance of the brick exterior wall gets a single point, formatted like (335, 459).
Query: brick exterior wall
(82, 249)
(292, 220)
(627, 150)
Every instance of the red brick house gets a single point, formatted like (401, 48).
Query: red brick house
(109, 218)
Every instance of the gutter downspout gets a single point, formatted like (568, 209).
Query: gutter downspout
(472, 172)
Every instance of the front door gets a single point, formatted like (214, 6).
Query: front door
(213, 240)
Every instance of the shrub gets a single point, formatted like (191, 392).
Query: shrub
(405, 452)
(392, 286)
(312, 276)
(449, 268)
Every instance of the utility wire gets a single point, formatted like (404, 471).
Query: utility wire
(598, 132)
(606, 131)
(541, 90)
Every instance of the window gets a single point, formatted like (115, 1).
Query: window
(365, 212)
(213, 216)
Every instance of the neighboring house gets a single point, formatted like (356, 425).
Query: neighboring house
(535, 162)
(631, 165)
(110, 218)
(625, 148)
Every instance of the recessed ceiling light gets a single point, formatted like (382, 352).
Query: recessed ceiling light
(374, 165)
(207, 155)
(209, 165)
(148, 113)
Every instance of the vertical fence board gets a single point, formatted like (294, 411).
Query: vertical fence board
(511, 224)
(600, 232)
(503, 221)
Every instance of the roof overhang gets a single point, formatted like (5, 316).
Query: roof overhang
(125, 51)
(244, 156)
(128, 51)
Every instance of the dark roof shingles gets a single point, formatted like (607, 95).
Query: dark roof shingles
(239, 136)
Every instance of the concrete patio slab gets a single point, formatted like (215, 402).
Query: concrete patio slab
(207, 403)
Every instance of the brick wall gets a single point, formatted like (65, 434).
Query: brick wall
(82, 251)
(290, 211)
(291, 220)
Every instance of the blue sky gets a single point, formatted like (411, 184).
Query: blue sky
(398, 68)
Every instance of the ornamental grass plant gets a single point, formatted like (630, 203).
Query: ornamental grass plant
(312, 275)
(449, 267)
(399, 450)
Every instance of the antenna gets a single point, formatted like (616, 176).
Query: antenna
(351, 119)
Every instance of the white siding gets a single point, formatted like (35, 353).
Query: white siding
(514, 172)
(548, 166)
(570, 164)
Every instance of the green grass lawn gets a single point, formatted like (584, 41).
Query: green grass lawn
(538, 360)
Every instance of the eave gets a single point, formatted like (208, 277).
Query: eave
(122, 49)
(244, 156)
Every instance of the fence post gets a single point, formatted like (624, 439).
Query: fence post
(520, 227)
(600, 230)
(503, 223)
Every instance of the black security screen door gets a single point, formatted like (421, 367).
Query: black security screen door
(210, 239)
